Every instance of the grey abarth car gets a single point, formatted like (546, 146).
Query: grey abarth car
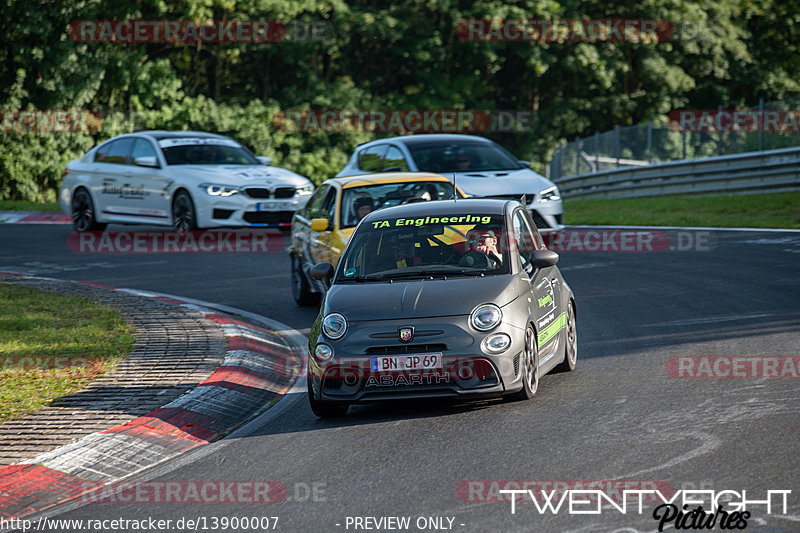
(444, 298)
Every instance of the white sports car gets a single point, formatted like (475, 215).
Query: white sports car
(184, 179)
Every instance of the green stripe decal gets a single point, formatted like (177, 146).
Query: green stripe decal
(552, 329)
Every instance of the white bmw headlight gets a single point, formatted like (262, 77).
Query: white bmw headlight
(549, 194)
(486, 317)
(304, 190)
(213, 189)
(334, 326)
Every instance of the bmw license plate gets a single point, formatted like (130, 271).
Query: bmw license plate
(404, 363)
(268, 206)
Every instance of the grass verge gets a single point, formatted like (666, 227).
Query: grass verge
(21, 205)
(777, 210)
(53, 345)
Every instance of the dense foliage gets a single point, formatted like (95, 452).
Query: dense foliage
(380, 55)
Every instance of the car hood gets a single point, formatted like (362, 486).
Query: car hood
(502, 182)
(418, 298)
(239, 175)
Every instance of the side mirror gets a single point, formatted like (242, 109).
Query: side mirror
(147, 161)
(264, 160)
(319, 224)
(322, 272)
(525, 164)
(543, 258)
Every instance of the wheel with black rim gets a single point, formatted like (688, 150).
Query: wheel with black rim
(184, 217)
(530, 369)
(571, 346)
(83, 214)
(301, 291)
(324, 409)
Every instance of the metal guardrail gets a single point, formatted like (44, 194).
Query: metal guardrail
(753, 172)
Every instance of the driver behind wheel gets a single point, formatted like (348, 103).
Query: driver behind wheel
(481, 251)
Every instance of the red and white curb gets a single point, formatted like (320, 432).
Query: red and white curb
(262, 363)
(20, 217)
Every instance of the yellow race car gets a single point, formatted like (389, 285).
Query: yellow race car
(322, 228)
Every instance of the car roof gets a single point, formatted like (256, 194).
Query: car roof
(442, 208)
(163, 134)
(386, 177)
(421, 138)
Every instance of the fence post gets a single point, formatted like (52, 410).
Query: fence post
(578, 147)
(596, 151)
(649, 141)
(761, 124)
(683, 142)
(617, 140)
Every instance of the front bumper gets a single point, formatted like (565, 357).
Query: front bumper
(240, 210)
(467, 370)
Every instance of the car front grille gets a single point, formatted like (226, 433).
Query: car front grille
(538, 220)
(262, 192)
(405, 348)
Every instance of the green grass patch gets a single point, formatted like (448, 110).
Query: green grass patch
(22, 205)
(777, 210)
(53, 345)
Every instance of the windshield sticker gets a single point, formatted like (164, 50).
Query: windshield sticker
(459, 219)
(188, 141)
(350, 272)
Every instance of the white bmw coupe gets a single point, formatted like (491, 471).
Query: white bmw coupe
(184, 179)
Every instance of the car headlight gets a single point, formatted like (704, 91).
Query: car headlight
(213, 189)
(334, 325)
(486, 317)
(497, 343)
(550, 194)
(323, 352)
(304, 190)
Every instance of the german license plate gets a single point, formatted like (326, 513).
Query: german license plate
(268, 206)
(404, 363)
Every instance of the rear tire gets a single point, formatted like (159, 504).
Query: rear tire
(83, 213)
(301, 291)
(571, 344)
(184, 217)
(530, 369)
(325, 409)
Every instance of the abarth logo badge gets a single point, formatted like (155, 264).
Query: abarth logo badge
(406, 334)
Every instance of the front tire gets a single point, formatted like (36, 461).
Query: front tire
(324, 409)
(184, 217)
(301, 291)
(571, 346)
(530, 369)
(83, 213)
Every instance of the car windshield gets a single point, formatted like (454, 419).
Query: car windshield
(205, 151)
(464, 156)
(461, 244)
(358, 202)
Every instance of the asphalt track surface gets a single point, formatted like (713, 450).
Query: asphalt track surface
(618, 416)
